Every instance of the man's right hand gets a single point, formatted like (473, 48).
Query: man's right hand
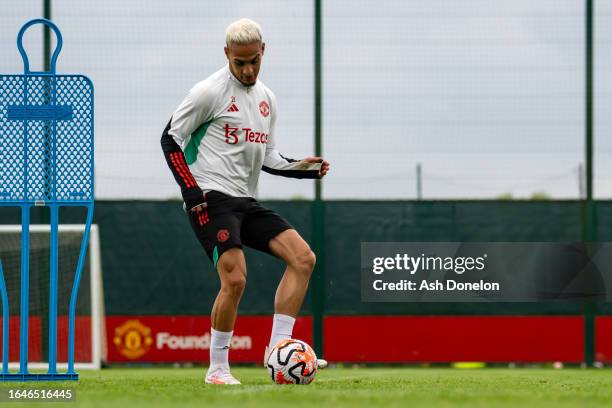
(199, 207)
(194, 199)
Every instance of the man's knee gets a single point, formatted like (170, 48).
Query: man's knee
(233, 282)
(305, 262)
(232, 272)
(235, 278)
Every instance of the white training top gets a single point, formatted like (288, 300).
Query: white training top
(226, 131)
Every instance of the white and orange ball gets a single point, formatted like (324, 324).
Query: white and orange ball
(292, 362)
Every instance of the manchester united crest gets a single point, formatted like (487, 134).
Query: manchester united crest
(133, 339)
(264, 109)
(223, 235)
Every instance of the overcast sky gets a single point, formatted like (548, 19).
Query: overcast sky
(487, 96)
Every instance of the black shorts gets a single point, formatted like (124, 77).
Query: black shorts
(230, 222)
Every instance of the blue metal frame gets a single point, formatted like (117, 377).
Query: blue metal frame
(5, 321)
(25, 193)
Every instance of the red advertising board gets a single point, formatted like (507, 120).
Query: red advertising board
(454, 338)
(164, 339)
(37, 339)
(603, 338)
(82, 339)
(34, 337)
(406, 339)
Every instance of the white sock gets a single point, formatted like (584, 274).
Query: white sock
(282, 329)
(219, 349)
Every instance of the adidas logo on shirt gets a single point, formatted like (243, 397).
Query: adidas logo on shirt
(233, 108)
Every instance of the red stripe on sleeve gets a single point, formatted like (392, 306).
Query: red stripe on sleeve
(180, 170)
(183, 163)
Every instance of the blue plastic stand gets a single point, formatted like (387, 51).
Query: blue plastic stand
(46, 159)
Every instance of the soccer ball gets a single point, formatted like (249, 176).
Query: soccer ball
(292, 362)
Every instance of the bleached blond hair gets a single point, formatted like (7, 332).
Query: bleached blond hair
(243, 31)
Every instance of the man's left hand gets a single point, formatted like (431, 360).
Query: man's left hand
(324, 164)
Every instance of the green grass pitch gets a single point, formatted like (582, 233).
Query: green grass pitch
(362, 387)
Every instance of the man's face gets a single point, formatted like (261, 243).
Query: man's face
(245, 61)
